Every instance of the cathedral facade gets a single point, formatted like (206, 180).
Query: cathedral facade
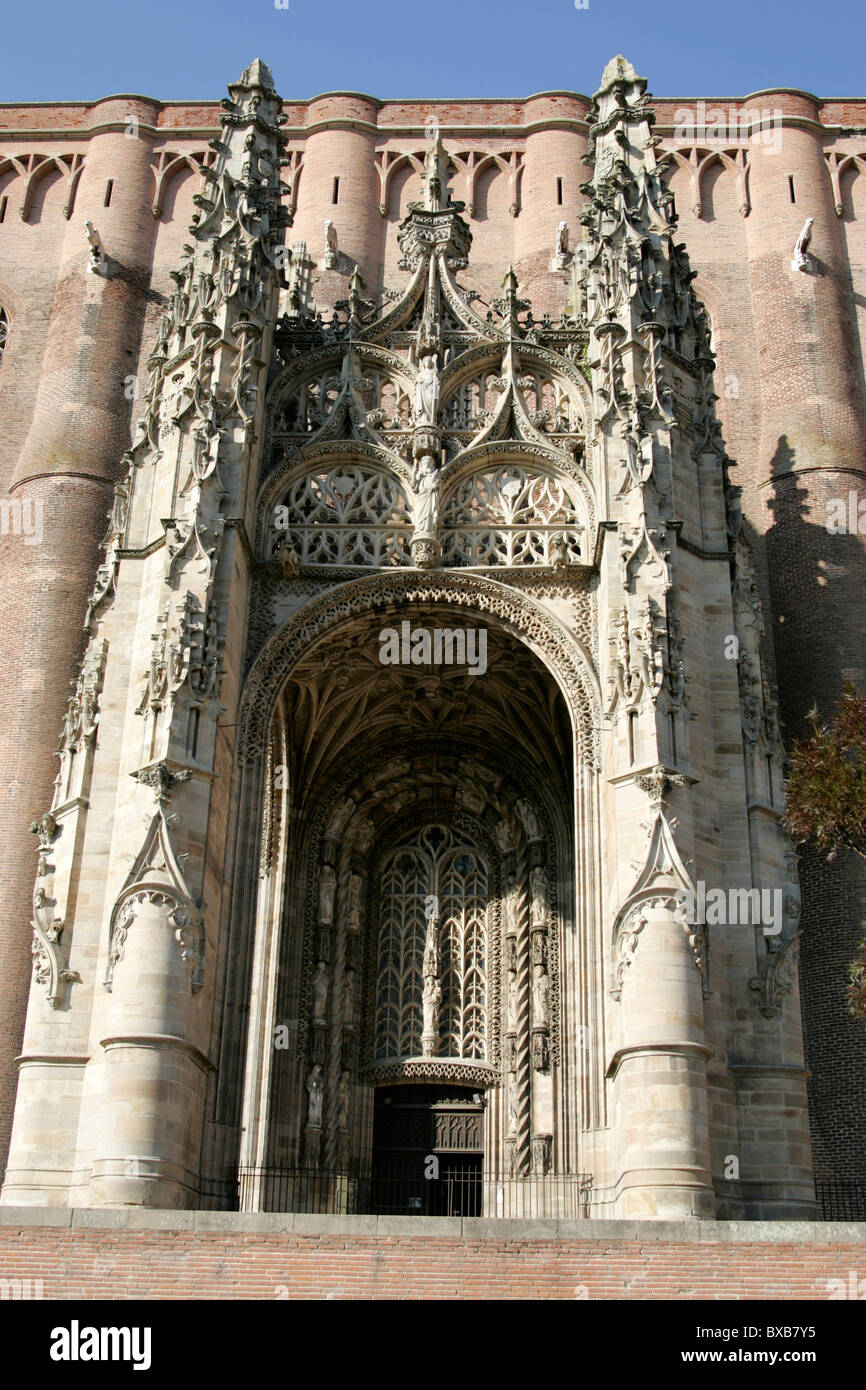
(416, 817)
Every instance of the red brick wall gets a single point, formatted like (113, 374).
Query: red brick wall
(179, 1264)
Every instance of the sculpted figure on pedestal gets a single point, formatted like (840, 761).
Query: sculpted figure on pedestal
(315, 1091)
(427, 391)
(425, 485)
(538, 883)
(327, 888)
(541, 998)
(320, 993)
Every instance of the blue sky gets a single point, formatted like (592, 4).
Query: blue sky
(175, 49)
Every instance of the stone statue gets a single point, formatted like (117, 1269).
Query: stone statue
(802, 260)
(734, 511)
(436, 176)
(538, 883)
(511, 904)
(343, 1098)
(290, 561)
(430, 1002)
(327, 889)
(562, 239)
(513, 1110)
(530, 820)
(559, 556)
(649, 657)
(315, 1091)
(353, 905)
(541, 998)
(425, 485)
(427, 391)
(332, 253)
(503, 837)
(96, 264)
(320, 993)
(513, 1002)
(431, 949)
(349, 996)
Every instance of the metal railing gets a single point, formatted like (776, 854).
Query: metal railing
(457, 1190)
(840, 1199)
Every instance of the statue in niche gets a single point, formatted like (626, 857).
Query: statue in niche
(513, 1002)
(430, 1003)
(353, 904)
(315, 1091)
(538, 884)
(337, 823)
(539, 948)
(349, 996)
(541, 998)
(513, 1107)
(320, 993)
(427, 391)
(510, 910)
(649, 657)
(343, 1099)
(327, 889)
(431, 949)
(529, 819)
(503, 837)
(425, 487)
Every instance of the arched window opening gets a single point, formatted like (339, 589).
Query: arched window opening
(431, 993)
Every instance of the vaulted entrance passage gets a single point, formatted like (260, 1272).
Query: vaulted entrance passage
(427, 1151)
(418, 872)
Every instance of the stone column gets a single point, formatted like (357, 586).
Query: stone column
(659, 1071)
(146, 1150)
(71, 457)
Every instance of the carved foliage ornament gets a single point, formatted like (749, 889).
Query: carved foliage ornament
(46, 948)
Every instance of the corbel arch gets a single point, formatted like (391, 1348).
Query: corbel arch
(697, 161)
(170, 166)
(34, 167)
(838, 167)
(388, 164)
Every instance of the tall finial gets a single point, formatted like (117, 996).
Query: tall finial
(619, 69)
(257, 74)
(436, 194)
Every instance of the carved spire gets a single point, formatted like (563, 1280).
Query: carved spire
(636, 285)
(258, 74)
(436, 195)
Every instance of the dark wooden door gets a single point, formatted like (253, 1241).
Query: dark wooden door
(427, 1151)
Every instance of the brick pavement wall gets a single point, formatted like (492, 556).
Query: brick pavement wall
(217, 1255)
